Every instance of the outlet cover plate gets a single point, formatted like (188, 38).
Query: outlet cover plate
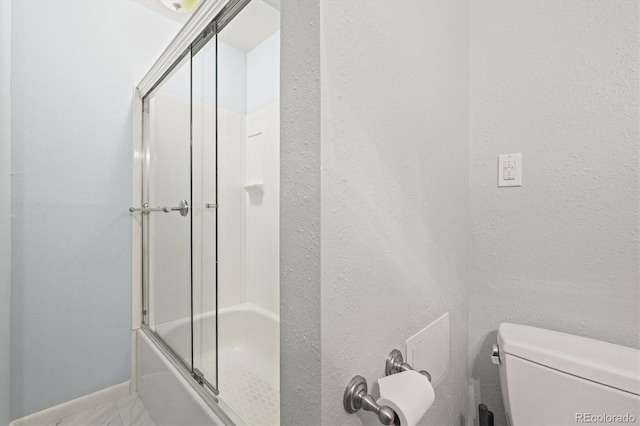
(510, 170)
(429, 350)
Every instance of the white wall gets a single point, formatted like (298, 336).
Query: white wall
(557, 81)
(232, 92)
(232, 100)
(394, 191)
(231, 273)
(249, 221)
(263, 74)
(248, 229)
(232, 78)
(262, 165)
(74, 65)
(5, 208)
(170, 237)
(262, 207)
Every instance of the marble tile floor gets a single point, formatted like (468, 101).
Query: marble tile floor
(129, 411)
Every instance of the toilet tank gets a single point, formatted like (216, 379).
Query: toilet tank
(552, 378)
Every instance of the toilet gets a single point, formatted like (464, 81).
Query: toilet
(551, 378)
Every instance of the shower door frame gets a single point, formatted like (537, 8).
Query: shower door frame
(211, 15)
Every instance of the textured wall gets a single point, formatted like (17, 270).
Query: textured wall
(557, 81)
(5, 208)
(74, 67)
(394, 192)
(300, 213)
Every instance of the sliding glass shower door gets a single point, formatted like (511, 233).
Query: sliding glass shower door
(211, 185)
(205, 214)
(180, 231)
(168, 269)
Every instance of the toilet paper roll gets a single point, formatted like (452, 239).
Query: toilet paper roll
(409, 393)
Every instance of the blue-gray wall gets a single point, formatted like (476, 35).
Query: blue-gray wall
(74, 67)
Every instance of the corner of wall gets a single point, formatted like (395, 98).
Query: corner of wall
(300, 214)
(5, 208)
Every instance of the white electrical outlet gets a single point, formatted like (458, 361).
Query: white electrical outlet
(510, 170)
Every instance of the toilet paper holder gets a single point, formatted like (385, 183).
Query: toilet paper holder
(356, 394)
(395, 364)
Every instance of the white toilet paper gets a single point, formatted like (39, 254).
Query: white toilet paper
(409, 393)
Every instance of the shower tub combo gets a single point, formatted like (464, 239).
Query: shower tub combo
(206, 225)
(249, 370)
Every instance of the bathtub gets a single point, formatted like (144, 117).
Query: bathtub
(248, 369)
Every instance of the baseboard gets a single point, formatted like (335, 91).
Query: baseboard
(75, 406)
(471, 414)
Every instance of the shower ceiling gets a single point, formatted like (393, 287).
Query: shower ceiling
(180, 6)
(262, 17)
(264, 21)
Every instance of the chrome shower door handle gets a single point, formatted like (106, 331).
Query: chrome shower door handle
(183, 208)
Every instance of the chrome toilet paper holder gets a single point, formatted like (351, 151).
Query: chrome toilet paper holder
(356, 394)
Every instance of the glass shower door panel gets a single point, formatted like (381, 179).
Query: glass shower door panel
(248, 63)
(205, 212)
(168, 169)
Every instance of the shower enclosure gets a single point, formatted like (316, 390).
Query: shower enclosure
(208, 219)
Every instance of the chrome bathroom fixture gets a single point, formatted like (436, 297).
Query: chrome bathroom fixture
(356, 397)
(183, 208)
(495, 355)
(395, 364)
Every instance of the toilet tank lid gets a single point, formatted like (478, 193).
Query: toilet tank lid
(602, 362)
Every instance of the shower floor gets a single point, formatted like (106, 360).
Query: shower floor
(248, 390)
(248, 361)
(258, 400)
